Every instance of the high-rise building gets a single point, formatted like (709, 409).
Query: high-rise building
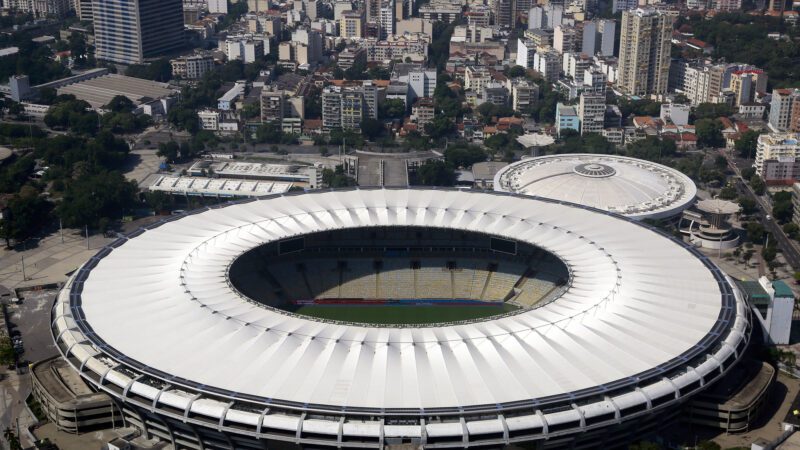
(372, 9)
(346, 106)
(565, 39)
(594, 81)
(83, 9)
(548, 63)
(421, 83)
(192, 67)
(218, 6)
(40, 8)
(589, 41)
(591, 112)
(605, 31)
(623, 5)
(504, 13)
(387, 18)
(745, 84)
(554, 15)
(644, 52)
(781, 109)
(312, 40)
(778, 158)
(525, 53)
(340, 7)
(351, 25)
(726, 5)
(128, 31)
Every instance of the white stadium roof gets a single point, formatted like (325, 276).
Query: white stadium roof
(628, 186)
(639, 305)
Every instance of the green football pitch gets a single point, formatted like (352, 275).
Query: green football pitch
(406, 314)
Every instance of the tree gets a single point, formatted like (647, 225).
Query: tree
(711, 111)
(337, 178)
(728, 192)
(371, 128)
(464, 155)
(782, 207)
(159, 201)
(709, 133)
(392, 108)
(651, 148)
(758, 185)
(269, 133)
(12, 439)
(516, 71)
(251, 110)
(707, 445)
(439, 127)
(168, 151)
(748, 205)
(746, 144)
(120, 103)
(76, 115)
(94, 196)
(184, 119)
(434, 172)
(25, 214)
(158, 70)
(755, 232)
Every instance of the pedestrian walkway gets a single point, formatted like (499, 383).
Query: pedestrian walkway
(49, 261)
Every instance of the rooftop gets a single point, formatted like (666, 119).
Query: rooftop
(628, 186)
(218, 186)
(99, 91)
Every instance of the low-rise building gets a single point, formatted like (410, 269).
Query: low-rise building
(192, 67)
(524, 95)
(209, 119)
(423, 111)
(566, 118)
(227, 100)
(273, 104)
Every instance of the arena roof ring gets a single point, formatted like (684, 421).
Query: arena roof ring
(632, 187)
(646, 321)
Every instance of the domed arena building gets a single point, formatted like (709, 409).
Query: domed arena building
(632, 187)
(367, 318)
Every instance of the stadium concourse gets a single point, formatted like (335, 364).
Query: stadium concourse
(586, 328)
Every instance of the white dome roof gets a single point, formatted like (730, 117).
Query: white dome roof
(636, 301)
(628, 186)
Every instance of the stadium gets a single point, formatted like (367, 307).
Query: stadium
(369, 318)
(632, 187)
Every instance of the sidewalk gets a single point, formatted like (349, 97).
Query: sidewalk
(49, 261)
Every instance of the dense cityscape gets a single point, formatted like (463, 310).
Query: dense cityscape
(524, 224)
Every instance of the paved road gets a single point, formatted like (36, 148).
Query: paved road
(789, 248)
(32, 319)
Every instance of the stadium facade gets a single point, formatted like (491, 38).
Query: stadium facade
(642, 323)
(632, 187)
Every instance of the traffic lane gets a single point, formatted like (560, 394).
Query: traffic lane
(32, 320)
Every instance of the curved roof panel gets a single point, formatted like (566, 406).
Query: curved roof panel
(637, 302)
(632, 187)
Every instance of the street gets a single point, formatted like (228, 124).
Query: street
(788, 247)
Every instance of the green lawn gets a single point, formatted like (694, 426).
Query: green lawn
(402, 314)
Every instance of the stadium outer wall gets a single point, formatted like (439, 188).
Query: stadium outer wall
(649, 401)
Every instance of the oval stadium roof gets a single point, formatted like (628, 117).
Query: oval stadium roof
(628, 186)
(640, 306)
